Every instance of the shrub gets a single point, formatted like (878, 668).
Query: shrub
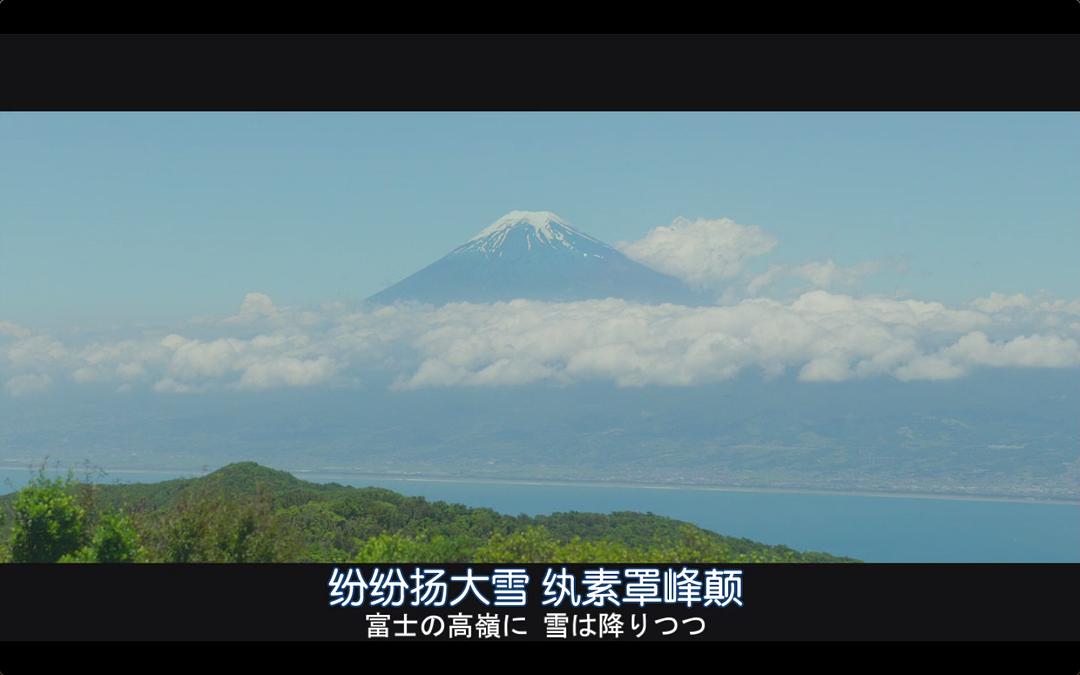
(114, 541)
(47, 522)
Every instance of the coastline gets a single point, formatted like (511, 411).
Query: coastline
(325, 476)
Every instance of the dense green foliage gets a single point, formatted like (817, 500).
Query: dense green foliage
(114, 540)
(47, 521)
(248, 513)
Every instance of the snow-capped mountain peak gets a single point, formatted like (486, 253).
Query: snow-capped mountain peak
(541, 221)
(534, 255)
(542, 228)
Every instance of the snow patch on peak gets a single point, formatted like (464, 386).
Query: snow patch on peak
(537, 227)
(541, 221)
(534, 255)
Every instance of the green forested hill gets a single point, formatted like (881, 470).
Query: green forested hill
(245, 512)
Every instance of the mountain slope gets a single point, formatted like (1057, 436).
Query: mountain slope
(535, 255)
(249, 513)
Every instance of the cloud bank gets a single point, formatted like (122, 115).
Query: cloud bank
(821, 335)
(818, 337)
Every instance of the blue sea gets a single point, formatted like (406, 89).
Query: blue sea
(872, 528)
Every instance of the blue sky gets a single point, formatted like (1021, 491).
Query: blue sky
(156, 217)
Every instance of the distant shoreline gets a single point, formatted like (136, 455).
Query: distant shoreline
(319, 475)
(701, 488)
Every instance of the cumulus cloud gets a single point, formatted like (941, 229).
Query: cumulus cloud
(820, 336)
(828, 337)
(999, 302)
(1028, 351)
(820, 275)
(27, 385)
(286, 371)
(123, 360)
(977, 349)
(1038, 313)
(929, 368)
(713, 255)
(703, 253)
(255, 306)
(36, 351)
(260, 362)
(12, 329)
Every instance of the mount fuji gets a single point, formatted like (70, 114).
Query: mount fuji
(535, 255)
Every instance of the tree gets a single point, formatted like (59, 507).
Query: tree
(114, 541)
(532, 544)
(47, 523)
(214, 527)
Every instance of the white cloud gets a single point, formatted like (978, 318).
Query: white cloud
(255, 306)
(835, 367)
(713, 254)
(86, 374)
(288, 372)
(11, 329)
(36, 352)
(1030, 351)
(260, 362)
(820, 336)
(193, 359)
(1067, 307)
(124, 360)
(130, 371)
(170, 386)
(27, 385)
(976, 349)
(929, 368)
(822, 275)
(703, 253)
(998, 302)
(826, 336)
